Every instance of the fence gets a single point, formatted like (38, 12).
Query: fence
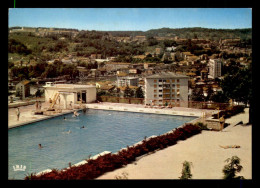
(191, 104)
(121, 100)
(207, 105)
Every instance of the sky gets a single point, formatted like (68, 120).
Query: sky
(134, 19)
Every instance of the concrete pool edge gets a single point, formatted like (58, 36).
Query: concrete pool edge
(122, 109)
(41, 119)
(145, 110)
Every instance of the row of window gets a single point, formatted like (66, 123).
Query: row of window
(173, 100)
(167, 81)
(167, 96)
(168, 90)
(173, 85)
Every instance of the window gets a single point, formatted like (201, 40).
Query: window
(178, 85)
(155, 81)
(155, 91)
(160, 90)
(178, 90)
(160, 95)
(173, 90)
(155, 96)
(164, 80)
(173, 80)
(178, 80)
(155, 85)
(78, 96)
(167, 81)
(173, 85)
(160, 80)
(173, 95)
(160, 85)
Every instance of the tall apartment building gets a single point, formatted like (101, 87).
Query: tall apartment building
(166, 87)
(124, 81)
(214, 68)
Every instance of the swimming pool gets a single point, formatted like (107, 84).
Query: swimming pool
(103, 131)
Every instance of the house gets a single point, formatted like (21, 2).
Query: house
(93, 56)
(134, 71)
(170, 49)
(158, 51)
(108, 88)
(139, 38)
(204, 74)
(83, 73)
(66, 94)
(148, 65)
(166, 87)
(23, 88)
(124, 81)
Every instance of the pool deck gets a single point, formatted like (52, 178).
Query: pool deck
(203, 150)
(27, 116)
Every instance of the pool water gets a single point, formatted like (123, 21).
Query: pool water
(103, 131)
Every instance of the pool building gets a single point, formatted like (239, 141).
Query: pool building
(69, 94)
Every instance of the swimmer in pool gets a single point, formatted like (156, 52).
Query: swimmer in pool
(75, 114)
(40, 146)
(64, 118)
(82, 127)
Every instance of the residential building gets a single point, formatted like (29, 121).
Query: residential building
(23, 88)
(214, 68)
(134, 71)
(139, 38)
(158, 51)
(168, 88)
(148, 65)
(66, 94)
(124, 81)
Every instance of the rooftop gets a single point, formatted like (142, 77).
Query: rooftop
(167, 75)
(70, 86)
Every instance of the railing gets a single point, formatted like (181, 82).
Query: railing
(191, 104)
(121, 100)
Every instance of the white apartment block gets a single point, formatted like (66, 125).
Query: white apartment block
(214, 68)
(166, 87)
(124, 81)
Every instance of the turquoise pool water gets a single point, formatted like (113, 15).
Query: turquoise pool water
(104, 131)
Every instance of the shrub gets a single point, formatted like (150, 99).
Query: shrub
(186, 172)
(202, 126)
(229, 112)
(232, 168)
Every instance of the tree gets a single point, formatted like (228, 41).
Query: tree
(186, 172)
(139, 93)
(197, 94)
(239, 88)
(219, 97)
(128, 92)
(232, 168)
(38, 93)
